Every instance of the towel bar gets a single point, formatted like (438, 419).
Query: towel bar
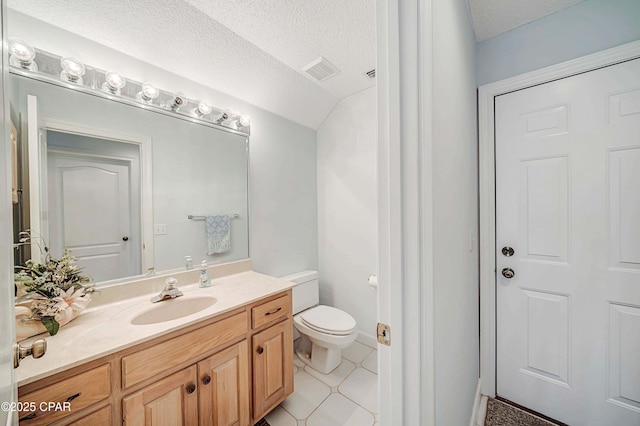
(194, 217)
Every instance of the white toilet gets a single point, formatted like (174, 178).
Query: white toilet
(324, 330)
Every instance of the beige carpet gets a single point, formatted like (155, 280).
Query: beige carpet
(501, 414)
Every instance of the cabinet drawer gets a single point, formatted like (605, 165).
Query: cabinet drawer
(164, 356)
(98, 417)
(79, 391)
(271, 312)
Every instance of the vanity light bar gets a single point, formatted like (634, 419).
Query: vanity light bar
(46, 66)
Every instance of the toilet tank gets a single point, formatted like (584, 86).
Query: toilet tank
(306, 292)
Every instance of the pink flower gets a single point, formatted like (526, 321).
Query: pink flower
(70, 301)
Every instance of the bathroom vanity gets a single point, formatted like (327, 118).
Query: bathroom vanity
(228, 364)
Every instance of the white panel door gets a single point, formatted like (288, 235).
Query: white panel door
(89, 213)
(568, 204)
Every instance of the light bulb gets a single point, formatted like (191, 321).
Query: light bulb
(148, 93)
(243, 121)
(203, 109)
(113, 82)
(223, 116)
(72, 70)
(22, 54)
(178, 101)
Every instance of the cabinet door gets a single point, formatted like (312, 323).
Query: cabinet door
(224, 387)
(272, 367)
(172, 401)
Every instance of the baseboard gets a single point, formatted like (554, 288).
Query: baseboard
(482, 411)
(367, 339)
(476, 405)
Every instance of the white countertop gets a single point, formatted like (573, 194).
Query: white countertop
(106, 329)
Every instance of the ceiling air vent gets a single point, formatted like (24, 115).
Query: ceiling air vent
(371, 74)
(320, 69)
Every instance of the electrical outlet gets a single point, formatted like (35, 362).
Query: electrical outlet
(160, 229)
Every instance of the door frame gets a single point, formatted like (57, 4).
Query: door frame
(406, 368)
(146, 202)
(8, 388)
(486, 150)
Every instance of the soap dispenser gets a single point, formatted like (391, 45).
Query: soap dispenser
(205, 281)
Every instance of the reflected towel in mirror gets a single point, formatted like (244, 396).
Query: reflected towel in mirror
(218, 229)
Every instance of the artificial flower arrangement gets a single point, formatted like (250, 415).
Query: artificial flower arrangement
(55, 289)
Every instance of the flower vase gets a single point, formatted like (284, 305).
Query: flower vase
(27, 327)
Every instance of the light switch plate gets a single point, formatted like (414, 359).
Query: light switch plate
(160, 229)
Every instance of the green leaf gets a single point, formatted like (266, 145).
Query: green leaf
(50, 324)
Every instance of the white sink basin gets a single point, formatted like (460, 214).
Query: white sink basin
(168, 310)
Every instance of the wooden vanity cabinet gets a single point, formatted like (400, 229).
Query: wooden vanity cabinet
(272, 367)
(213, 392)
(224, 371)
(272, 353)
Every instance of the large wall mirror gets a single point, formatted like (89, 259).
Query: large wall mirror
(126, 189)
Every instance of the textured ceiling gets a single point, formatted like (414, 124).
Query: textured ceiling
(254, 50)
(297, 32)
(255, 54)
(493, 17)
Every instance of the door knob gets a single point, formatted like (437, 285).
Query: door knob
(36, 350)
(260, 350)
(125, 238)
(508, 273)
(507, 251)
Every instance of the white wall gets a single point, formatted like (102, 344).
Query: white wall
(455, 213)
(347, 204)
(587, 27)
(282, 176)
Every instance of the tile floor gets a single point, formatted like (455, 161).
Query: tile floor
(346, 396)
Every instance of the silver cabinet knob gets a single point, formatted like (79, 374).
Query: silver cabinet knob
(508, 273)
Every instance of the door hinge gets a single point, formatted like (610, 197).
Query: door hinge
(384, 334)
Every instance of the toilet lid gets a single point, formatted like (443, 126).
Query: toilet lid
(329, 320)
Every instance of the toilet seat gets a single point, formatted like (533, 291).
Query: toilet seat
(326, 319)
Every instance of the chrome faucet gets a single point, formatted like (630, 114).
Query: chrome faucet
(168, 292)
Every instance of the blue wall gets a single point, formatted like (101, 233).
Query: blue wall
(588, 27)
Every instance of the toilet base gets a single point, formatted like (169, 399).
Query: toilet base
(325, 360)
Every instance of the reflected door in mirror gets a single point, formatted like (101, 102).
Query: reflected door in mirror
(90, 210)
